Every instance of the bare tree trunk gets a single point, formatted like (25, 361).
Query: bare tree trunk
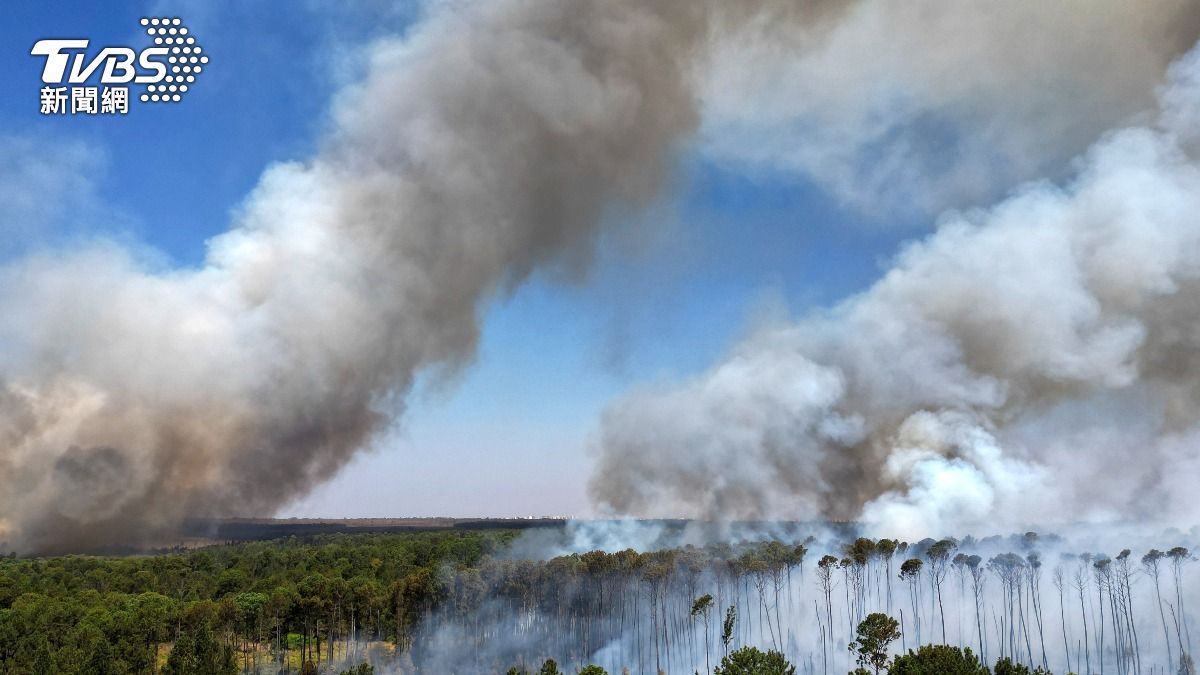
(1024, 625)
(1062, 611)
(1087, 652)
(1162, 615)
(1100, 606)
(1176, 565)
(1137, 648)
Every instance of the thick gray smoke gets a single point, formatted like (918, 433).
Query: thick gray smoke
(1030, 362)
(486, 144)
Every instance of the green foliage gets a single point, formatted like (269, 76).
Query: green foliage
(360, 669)
(938, 660)
(200, 654)
(727, 625)
(751, 661)
(941, 550)
(38, 654)
(911, 568)
(875, 633)
(122, 615)
(702, 605)
(1007, 666)
(550, 667)
(98, 615)
(593, 670)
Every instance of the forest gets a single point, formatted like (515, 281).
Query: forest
(465, 602)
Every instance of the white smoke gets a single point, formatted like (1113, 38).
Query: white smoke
(490, 142)
(916, 106)
(1029, 362)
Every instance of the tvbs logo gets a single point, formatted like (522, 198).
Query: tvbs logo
(167, 70)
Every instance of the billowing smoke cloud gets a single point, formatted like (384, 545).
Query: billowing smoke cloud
(1028, 362)
(911, 107)
(487, 144)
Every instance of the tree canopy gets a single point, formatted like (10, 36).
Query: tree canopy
(752, 661)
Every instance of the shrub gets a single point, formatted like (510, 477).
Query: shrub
(751, 661)
(938, 660)
(1006, 666)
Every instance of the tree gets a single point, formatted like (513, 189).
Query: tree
(1125, 591)
(360, 669)
(910, 571)
(875, 634)
(1010, 569)
(1007, 666)
(1080, 581)
(727, 627)
(182, 658)
(1034, 577)
(1179, 556)
(978, 583)
(1059, 583)
(1100, 565)
(549, 667)
(1150, 563)
(825, 567)
(859, 554)
(250, 612)
(86, 650)
(593, 670)
(938, 660)
(751, 661)
(886, 550)
(939, 556)
(38, 656)
(200, 654)
(702, 607)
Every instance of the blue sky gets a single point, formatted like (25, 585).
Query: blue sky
(673, 286)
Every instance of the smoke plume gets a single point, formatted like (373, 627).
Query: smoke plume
(489, 143)
(482, 147)
(909, 107)
(1030, 362)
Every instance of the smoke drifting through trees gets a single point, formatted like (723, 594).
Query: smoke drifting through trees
(466, 603)
(1030, 361)
(803, 598)
(486, 145)
(637, 610)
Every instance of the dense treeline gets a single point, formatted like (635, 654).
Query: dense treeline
(452, 602)
(316, 600)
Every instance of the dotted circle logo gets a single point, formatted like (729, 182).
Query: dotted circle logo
(185, 60)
